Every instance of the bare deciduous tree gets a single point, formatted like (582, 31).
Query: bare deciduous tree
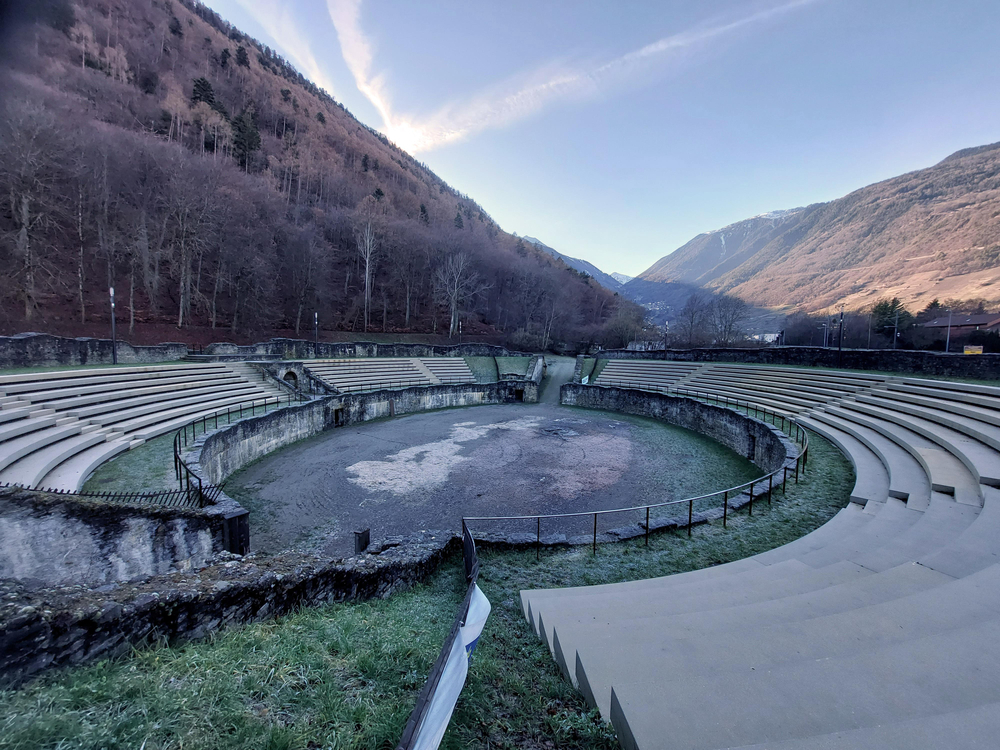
(458, 283)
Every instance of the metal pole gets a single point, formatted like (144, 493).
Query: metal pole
(750, 512)
(690, 514)
(869, 330)
(725, 508)
(538, 539)
(840, 339)
(595, 533)
(947, 341)
(895, 329)
(647, 525)
(770, 487)
(114, 336)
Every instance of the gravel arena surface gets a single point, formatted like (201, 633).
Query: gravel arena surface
(427, 471)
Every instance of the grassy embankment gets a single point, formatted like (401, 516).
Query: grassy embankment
(347, 675)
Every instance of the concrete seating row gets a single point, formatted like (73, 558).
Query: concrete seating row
(370, 374)
(449, 369)
(645, 374)
(56, 428)
(878, 629)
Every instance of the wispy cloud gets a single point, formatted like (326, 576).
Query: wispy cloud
(274, 16)
(515, 99)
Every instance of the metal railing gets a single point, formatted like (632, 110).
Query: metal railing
(411, 731)
(790, 428)
(188, 479)
(180, 498)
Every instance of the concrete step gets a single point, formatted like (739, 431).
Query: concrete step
(24, 427)
(613, 606)
(907, 480)
(871, 475)
(19, 447)
(976, 547)
(946, 472)
(969, 728)
(31, 468)
(71, 473)
(946, 672)
(642, 651)
(848, 521)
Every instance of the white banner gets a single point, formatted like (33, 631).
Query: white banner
(453, 678)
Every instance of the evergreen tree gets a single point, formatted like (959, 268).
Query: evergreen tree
(379, 195)
(203, 92)
(321, 118)
(424, 216)
(364, 163)
(459, 224)
(224, 57)
(286, 95)
(242, 59)
(175, 26)
(246, 137)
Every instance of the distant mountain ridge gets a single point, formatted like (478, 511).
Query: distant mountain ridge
(931, 233)
(608, 281)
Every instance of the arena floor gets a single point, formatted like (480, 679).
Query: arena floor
(425, 471)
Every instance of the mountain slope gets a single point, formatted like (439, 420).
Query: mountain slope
(926, 234)
(152, 146)
(608, 281)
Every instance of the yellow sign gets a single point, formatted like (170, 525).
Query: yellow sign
(973, 349)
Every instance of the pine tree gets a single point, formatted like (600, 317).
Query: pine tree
(203, 92)
(424, 216)
(379, 195)
(246, 137)
(224, 57)
(364, 163)
(459, 224)
(242, 58)
(321, 118)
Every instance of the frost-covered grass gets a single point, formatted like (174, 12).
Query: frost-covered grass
(484, 368)
(513, 365)
(347, 675)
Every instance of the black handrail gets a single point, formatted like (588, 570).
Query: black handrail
(167, 498)
(799, 435)
(187, 478)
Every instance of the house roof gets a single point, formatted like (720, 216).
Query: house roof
(987, 320)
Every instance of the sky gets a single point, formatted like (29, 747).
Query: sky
(616, 131)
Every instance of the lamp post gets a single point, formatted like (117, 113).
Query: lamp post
(895, 330)
(947, 341)
(315, 334)
(114, 337)
(840, 338)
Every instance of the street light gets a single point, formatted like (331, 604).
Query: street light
(840, 338)
(114, 337)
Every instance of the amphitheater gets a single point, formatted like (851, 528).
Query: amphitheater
(879, 629)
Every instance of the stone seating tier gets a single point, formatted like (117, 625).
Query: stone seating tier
(881, 628)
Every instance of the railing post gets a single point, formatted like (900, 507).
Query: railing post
(750, 513)
(797, 459)
(725, 508)
(538, 539)
(690, 514)
(647, 525)
(770, 486)
(595, 533)
(784, 480)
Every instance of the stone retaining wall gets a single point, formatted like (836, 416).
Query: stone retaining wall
(302, 349)
(50, 539)
(57, 627)
(937, 364)
(732, 428)
(227, 450)
(44, 350)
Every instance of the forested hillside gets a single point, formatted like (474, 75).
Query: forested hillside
(150, 146)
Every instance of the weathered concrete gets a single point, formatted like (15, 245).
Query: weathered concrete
(978, 367)
(51, 539)
(56, 627)
(294, 349)
(733, 429)
(229, 449)
(45, 350)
